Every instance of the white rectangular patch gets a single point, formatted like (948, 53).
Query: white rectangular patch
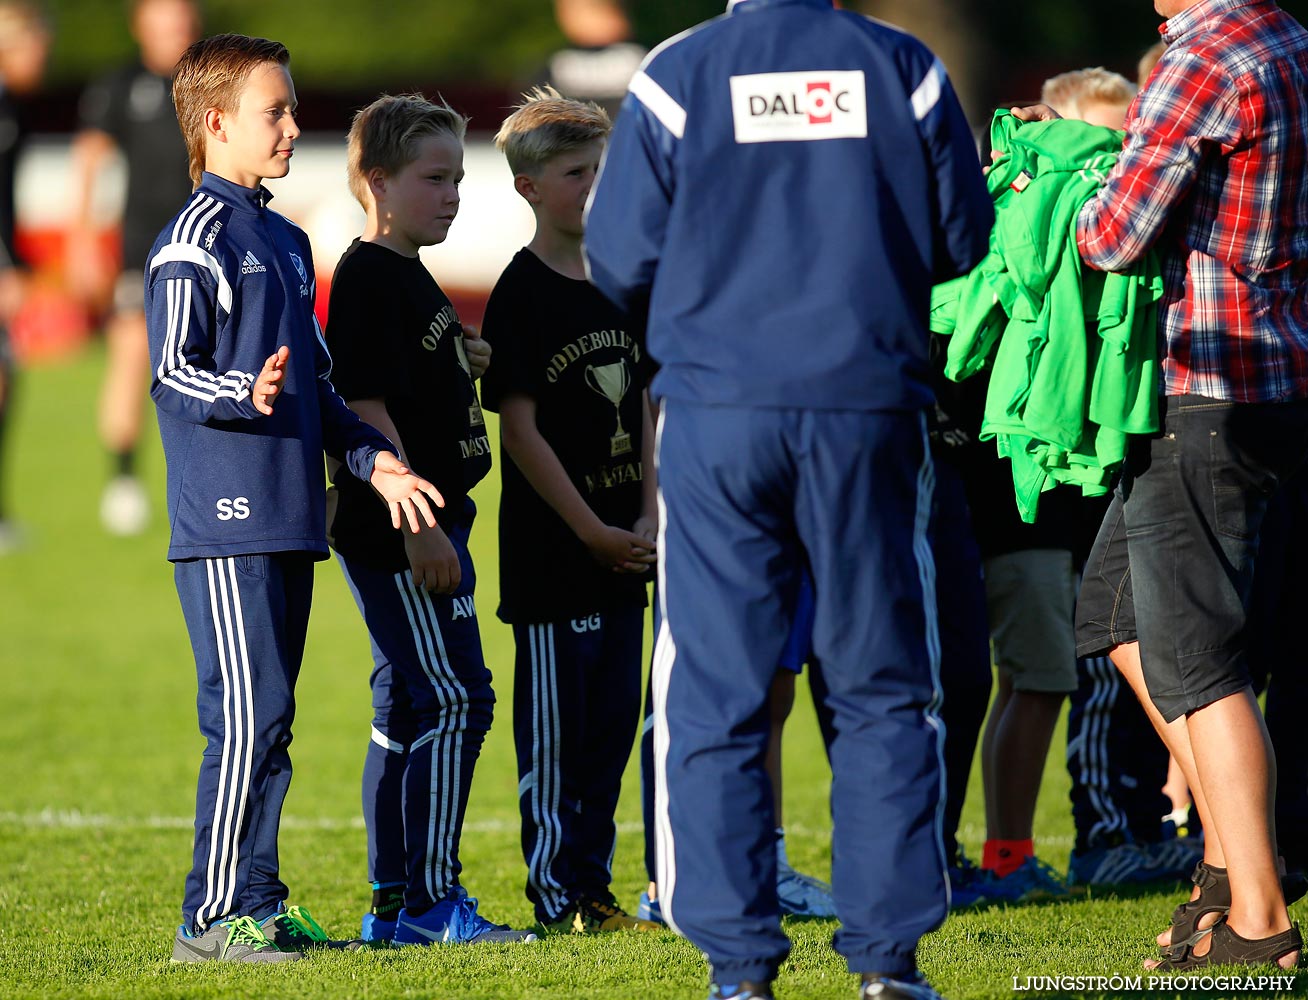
(799, 107)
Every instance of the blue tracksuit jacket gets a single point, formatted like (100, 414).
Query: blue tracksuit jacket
(228, 282)
(816, 294)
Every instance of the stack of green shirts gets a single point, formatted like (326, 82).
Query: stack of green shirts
(1073, 352)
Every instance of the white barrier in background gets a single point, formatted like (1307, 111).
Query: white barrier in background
(493, 222)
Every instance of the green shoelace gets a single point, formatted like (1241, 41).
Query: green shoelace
(300, 918)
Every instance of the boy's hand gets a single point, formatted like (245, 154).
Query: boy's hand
(433, 561)
(403, 491)
(269, 384)
(1035, 113)
(1030, 113)
(477, 351)
(621, 551)
(648, 529)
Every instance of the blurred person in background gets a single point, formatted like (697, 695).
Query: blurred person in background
(129, 111)
(601, 59)
(24, 45)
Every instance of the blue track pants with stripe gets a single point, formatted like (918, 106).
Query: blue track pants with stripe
(576, 704)
(745, 494)
(247, 617)
(432, 707)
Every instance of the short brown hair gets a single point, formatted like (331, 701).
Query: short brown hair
(1069, 93)
(546, 124)
(386, 134)
(212, 74)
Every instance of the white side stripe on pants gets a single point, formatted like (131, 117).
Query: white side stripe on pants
(926, 568)
(1096, 721)
(665, 656)
(545, 779)
(238, 742)
(446, 772)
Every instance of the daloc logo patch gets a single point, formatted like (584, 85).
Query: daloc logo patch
(799, 107)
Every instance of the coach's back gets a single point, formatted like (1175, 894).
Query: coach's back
(783, 186)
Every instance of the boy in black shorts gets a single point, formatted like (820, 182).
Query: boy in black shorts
(577, 520)
(401, 360)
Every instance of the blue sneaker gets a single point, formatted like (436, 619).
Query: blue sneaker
(745, 990)
(377, 930)
(454, 920)
(973, 886)
(1035, 880)
(1175, 857)
(650, 909)
(802, 895)
(1122, 864)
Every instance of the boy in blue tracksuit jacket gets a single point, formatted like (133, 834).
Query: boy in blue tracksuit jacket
(246, 410)
(783, 186)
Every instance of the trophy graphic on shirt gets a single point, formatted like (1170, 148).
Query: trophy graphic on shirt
(612, 382)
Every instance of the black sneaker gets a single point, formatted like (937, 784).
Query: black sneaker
(236, 940)
(878, 987)
(294, 930)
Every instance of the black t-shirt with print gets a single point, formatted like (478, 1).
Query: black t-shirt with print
(394, 336)
(559, 341)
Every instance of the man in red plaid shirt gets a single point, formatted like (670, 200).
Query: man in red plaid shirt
(1214, 177)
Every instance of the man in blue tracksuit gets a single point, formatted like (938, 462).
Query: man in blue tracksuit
(784, 242)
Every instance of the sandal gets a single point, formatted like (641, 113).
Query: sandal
(1215, 897)
(1228, 948)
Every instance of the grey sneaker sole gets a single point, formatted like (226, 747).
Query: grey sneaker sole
(185, 951)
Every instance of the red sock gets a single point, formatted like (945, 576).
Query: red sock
(1004, 857)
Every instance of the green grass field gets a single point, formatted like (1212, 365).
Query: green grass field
(99, 747)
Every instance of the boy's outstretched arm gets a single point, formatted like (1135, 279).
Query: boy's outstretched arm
(403, 491)
(621, 550)
(360, 446)
(432, 559)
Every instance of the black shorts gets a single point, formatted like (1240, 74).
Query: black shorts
(1105, 607)
(1173, 565)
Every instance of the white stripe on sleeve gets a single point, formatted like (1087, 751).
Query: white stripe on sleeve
(928, 92)
(659, 102)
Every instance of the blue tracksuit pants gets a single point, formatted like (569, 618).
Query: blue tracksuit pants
(432, 706)
(576, 701)
(745, 494)
(247, 617)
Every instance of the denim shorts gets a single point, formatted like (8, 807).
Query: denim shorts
(1173, 564)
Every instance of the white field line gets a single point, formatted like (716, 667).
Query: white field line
(73, 819)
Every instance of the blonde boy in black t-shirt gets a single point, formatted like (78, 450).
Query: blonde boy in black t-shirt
(577, 520)
(401, 361)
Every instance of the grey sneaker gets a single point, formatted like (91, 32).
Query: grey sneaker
(236, 940)
(913, 987)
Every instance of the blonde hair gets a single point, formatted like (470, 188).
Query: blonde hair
(1145, 67)
(386, 134)
(211, 74)
(1069, 93)
(546, 124)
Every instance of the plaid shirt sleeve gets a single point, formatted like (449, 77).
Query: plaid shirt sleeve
(1189, 109)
